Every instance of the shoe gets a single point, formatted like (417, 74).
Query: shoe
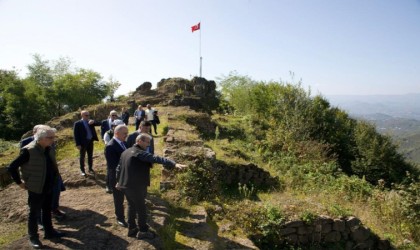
(122, 223)
(91, 171)
(54, 234)
(108, 190)
(35, 243)
(145, 235)
(132, 232)
(82, 173)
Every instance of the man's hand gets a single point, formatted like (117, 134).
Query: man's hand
(117, 186)
(78, 147)
(22, 185)
(180, 166)
(91, 122)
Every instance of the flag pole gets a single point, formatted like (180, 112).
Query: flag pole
(201, 58)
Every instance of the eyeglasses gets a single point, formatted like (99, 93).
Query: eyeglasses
(86, 115)
(114, 115)
(50, 137)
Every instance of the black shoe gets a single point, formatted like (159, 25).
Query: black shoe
(54, 234)
(108, 190)
(132, 232)
(91, 171)
(145, 235)
(35, 243)
(122, 223)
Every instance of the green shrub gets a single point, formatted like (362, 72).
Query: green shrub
(199, 182)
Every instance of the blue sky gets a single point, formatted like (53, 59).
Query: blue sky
(335, 47)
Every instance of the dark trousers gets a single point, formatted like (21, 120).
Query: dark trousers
(137, 208)
(117, 194)
(118, 203)
(154, 125)
(55, 203)
(88, 148)
(138, 123)
(39, 205)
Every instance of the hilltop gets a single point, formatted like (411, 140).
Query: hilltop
(90, 222)
(251, 183)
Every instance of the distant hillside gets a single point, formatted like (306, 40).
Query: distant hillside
(405, 106)
(394, 115)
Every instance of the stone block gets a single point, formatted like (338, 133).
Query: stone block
(316, 237)
(292, 238)
(323, 219)
(303, 239)
(326, 228)
(333, 236)
(339, 225)
(305, 230)
(344, 235)
(296, 223)
(287, 231)
(361, 234)
(349, 245)
(318, 228)
(352, 222)
(384, 245)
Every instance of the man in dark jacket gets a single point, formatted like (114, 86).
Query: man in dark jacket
(125, 116)
(107, 123)
(133, 175)
(143, 128)
(84, 136)
(113, 151)
(39, 173)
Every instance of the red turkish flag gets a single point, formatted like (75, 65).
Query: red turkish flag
(195, 27)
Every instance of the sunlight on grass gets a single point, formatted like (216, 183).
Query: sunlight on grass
(15, 232)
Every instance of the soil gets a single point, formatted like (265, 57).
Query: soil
(90, 220)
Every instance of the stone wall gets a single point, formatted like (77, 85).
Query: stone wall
(347, 231)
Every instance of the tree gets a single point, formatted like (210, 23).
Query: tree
(113, 85)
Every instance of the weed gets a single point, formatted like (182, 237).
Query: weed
(308, 217)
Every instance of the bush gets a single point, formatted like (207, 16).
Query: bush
(199, 182)
(261, 223)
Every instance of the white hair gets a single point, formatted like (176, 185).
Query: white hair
(43, 131)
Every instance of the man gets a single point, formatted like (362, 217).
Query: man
(29, 139)
(139, 114)
(57, 213)
(113, 151)
(84, 136)
(143, 128)
(150, 117)
(125, 116)
(39, 173)
(133, 175)
(110, 133)
(106, 124)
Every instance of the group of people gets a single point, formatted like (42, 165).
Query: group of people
(149, 115)
(129, 160)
